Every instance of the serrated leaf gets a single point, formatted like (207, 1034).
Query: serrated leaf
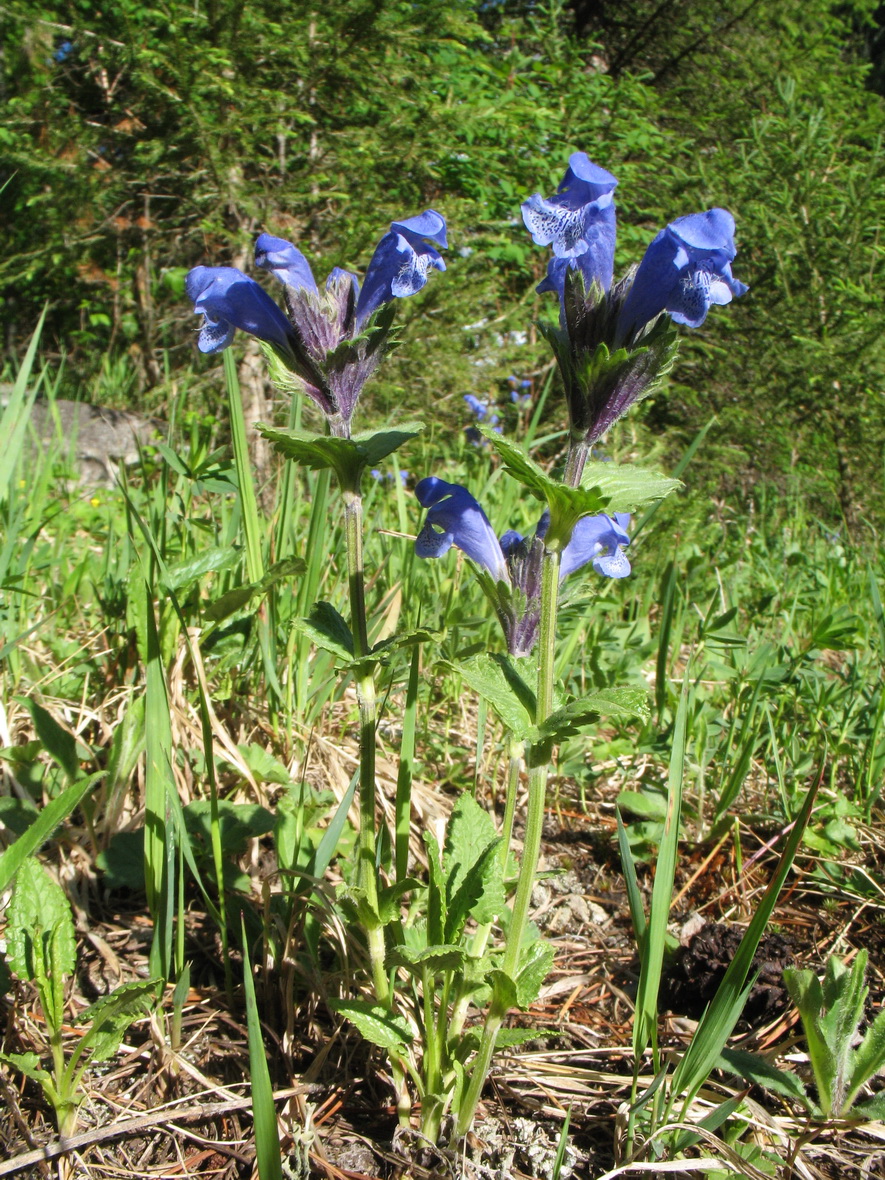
(347, 457)
(472, 871)
(626, 488)
(872, 1109)
(40, 938)
(757, 1070)
(534, 966)
(390, 896)
(29, 1065)
(504, 993)
(498, 680)
(325, 627)
(567, 505)
(185, 573)
(376, 1025)
(110, 1016)
(608, 702)
(511, 1038)
(480, 893)
(378, 444)
(433, 958)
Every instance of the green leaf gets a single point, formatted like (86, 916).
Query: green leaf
(240, 596)
(567, 505)
(40, 938)
(267, 1140)
(648, 805)
(326, 628)
(348, 457)
(499, 681)
(473, 874)
(626, 488)
(868, 1058)
(480, 892)
(57, 742)
(111, 1016)
(29, 1065)
(605, 487)
(434, 958)
(376, 1025)
(761, 1072)
(390, 897)
(54, 813)
(185, 573)
(577, 714)
(534, 966)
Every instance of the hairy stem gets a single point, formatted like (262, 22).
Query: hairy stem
(539, 762)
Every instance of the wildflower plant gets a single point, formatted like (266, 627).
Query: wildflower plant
(450, 956)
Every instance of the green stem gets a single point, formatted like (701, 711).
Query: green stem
(365, 693)
(578, 452)
(539, 761)
(366, 875)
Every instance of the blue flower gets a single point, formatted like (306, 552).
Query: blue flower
(578, 222)
(403, 257)
(454, 517)
(330, 338)
(685, 271)
(229, 300)
(478, 407)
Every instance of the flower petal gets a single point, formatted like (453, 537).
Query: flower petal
(284, 262)
(579, 220)
(229, 299)
(598, 539)
(455, 518)
(685, 271)
(399, 266)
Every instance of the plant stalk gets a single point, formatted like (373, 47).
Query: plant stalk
(539, 762)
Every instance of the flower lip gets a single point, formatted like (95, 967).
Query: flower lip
(454, 517)
(229, 299)
(686, 270)
(401, 262)
(284, 261)
(583, 182)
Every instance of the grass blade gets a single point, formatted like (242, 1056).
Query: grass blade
(264, 1115)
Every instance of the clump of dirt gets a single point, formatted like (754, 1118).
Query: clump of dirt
(698, 968)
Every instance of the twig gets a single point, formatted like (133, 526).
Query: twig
(156, 1118)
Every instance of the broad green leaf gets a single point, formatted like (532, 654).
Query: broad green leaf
(649, 806)
(469, 834)
(347, 457)
(626, 488)
(57, 742)
(182, 574)
(376, 1025)
(761, 1072)
(327, 628)
(38, 908)
(433, 958)
(480, 892)
(535, 962)
(436, 892)
(110, 1016)
(576, 715)
(500, 683)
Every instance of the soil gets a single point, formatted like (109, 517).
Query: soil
(175, 1102)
